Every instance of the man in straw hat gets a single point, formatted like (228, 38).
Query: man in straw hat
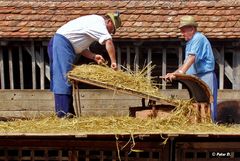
(199, 58)
(75, 38)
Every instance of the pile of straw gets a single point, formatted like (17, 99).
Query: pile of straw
(135, 81)
(113, 125)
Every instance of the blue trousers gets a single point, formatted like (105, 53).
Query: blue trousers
(61, 57)
(211, 80)
(63, 105)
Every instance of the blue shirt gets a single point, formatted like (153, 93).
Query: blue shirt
(204, 58)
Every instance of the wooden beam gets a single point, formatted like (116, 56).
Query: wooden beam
(10, 65)
(21, 67)
(34, 86)
(164, 65)
(228, 71)
(236, 69)
(221, 67)
(128, 58)
(224, 67)
(42, 70)
(2, 69)
(32, 53)
(47, 71)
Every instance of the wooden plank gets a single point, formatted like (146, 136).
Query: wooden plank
(25, 105)
(102, 94)
(10, 66)
(119, 89)
(164, 66)
(108, 103)
(8, 95)
(25, 114)
(228, 94)
(2, 69)
(109, 94)
(21, 67)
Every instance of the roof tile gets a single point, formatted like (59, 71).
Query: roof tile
(153, 19)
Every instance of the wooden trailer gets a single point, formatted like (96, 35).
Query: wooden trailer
(117, 147)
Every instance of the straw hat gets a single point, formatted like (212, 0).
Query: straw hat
(187, 21)
(115, 19)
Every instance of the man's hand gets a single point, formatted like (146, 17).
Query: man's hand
(99, 59)
(169, 77)
(114, 66)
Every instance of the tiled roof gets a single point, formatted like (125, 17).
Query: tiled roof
(150, 19)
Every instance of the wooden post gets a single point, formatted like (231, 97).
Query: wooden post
(221, 68)
(87, 158)
(2, 69)
(76, 96)
(164, 65)
(224, 67)
(21, 67)
(236, 69)
(149, 59)
(78, 100)
(114, 156)
(10, 64)
(42, 69)
(34, 86)
(136, 59)
(128, 58)
(73, 155)
(180, 55)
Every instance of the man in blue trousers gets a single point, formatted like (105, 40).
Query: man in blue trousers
(75, 38)
(199, 58)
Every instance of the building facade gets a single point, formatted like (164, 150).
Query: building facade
(149, 34)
